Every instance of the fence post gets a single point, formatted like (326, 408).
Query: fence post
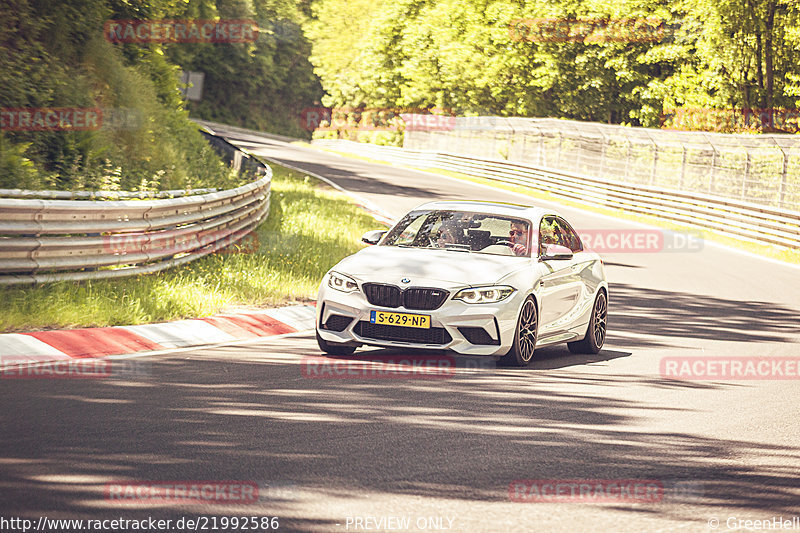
(746, 171)
(541, 148)
(628, 158)
(713, 164)
(683, 167)
(602, 155)
(784, 175)
(655, 160)
(558, 156)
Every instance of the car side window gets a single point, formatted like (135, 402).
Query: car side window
(568, 237)
(556, 230)
(547, 233)
(411, 231)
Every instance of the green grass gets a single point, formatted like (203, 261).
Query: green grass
(310, 227)
(787, 255)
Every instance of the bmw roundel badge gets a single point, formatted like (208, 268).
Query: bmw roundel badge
(405, 280)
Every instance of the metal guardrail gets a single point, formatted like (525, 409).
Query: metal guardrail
(45, 240)
(739, 219)
(215, 126)
(100, 195)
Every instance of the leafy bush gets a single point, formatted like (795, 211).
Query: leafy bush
(146, 141)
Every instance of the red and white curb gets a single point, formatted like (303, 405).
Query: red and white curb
(43, 346)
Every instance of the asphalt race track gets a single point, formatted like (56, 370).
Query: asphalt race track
(367, 454)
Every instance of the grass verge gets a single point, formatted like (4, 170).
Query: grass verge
(310, 227)
(787, 255)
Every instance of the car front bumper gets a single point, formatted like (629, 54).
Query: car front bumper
(469, 329)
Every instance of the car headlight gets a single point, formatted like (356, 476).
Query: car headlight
(484, 295)
(343, 283)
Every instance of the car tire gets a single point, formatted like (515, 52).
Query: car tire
(595, 336)
(335, 349)
(525, 334)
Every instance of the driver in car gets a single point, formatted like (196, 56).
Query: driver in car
(447, 234)
(518, 235)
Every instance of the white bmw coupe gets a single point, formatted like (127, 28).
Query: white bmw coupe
(477, 278)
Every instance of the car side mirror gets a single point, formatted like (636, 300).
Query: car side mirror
(372, 237)
(556, 252)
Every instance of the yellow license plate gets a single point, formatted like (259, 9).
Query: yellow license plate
(400, 319)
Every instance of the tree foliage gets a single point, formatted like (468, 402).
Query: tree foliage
(264, 84)
(464, 55)
(53, 54)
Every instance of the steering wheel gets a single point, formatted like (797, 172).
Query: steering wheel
(507, 243)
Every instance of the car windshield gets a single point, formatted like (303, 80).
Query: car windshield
(462, 231)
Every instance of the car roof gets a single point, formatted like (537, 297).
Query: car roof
(498, 208)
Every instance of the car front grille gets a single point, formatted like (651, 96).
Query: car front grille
(399, 333)
(424, 299)
(421, 299)
(383, 295)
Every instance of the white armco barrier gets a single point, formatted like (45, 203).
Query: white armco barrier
(739, 219)
(44, 240)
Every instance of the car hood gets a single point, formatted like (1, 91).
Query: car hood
(445, 268)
